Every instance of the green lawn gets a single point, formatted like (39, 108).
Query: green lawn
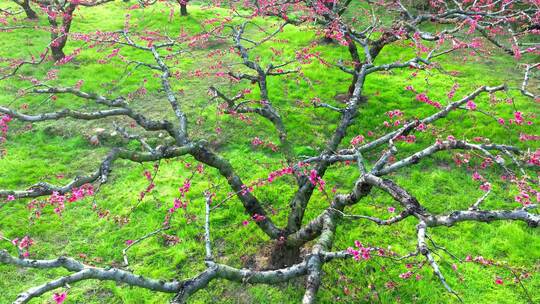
(51, 148)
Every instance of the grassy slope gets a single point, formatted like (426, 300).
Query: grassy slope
(46, 151)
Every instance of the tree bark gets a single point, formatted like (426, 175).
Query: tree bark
(30, 13)
(59, 33)
(58, 52)
(183, 9)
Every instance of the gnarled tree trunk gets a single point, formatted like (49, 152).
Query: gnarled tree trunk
(183, 7)
(30, 13)
(59, 34)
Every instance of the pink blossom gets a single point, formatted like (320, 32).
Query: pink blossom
(528, 137)
(485, 187)
(316, 180)
(518, 118)
(499, 281)
(453, 91)
(256, 142)
(406, 275)
(476, 176)
(245, 222)
(148, 175)
(10, 198)
(357, 140)
(258, 218)
(59, 298)
(409, 88)
(422, 97)
(362, 252)
(517, 52)
(391, 209)
(129, 242)
(471, 105)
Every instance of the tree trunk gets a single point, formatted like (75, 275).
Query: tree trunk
(57, 52)
(284, 256)
(59, 34)
(183, 10)
(30, 13)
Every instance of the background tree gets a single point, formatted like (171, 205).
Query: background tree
(25, 4)
(60, 16)
(183, 7)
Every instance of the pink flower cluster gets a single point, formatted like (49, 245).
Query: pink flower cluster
(406, 275)
(361, 253)
(518, 118)
(421, 127)
(462, 158)
(394, 116)
(58, 200)
(479, 260)
(23, 245)
(526, 192)
(394, 113)
(305, 56)
(314, 179)
(279, 173)
(357, 140)
(485, 186)
(178, 203)
(334, 32)
(471, 105)
(488, 262)
(452, 91)
(59, 298)
(272, 176)
(409, 138)
(258, 218)
(150, 186)
(534, 158)
(528, 137)
(422, 97)
(256, 142)
(4, 120)
(410, 88)
(396, 123)
(181, 202)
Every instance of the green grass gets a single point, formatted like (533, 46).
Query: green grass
(52, 148)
